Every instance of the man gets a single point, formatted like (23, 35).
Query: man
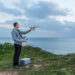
(18, 40)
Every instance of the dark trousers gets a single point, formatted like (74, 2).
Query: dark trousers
(16, 54)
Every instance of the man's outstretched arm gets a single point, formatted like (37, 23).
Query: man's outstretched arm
(25, 32)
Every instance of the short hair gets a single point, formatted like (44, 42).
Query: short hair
(15, 24)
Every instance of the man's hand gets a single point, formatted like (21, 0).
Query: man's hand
(22, 41)
(32, 28)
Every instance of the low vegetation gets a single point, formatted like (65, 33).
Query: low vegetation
(42, 62)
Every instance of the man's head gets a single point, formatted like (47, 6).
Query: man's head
(16, 25)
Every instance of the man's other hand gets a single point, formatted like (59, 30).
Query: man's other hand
(22, 40)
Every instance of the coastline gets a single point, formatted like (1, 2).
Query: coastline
(59, 46)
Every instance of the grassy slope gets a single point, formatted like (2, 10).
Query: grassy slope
(43, 63)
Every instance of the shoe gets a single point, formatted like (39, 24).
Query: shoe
(16, 67)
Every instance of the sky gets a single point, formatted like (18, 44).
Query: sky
(53, 18)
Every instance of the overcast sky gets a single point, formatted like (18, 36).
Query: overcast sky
(54, 18)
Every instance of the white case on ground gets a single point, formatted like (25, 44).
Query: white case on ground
(25, 61)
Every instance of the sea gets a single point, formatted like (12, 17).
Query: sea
(59, 46)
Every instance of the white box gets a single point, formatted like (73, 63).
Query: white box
(25, 61)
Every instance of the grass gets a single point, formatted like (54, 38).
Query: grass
(42, 62)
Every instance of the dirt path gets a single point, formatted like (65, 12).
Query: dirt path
(9, 73)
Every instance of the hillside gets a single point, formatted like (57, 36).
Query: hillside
(42, 62)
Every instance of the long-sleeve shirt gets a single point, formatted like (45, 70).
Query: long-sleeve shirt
(17, 35)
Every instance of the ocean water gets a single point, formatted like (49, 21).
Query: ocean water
(53, 45)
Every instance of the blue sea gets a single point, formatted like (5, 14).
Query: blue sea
(53, 45)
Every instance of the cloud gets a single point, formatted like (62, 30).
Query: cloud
(67, 29)
(44, 33)
(41, 9)
(34, 9)
(46, 24)
(12, 11)
(6, 26)
(47, 27)
(63, 19)
(45, 9)
(4, 18)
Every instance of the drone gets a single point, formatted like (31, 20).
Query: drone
(33, 27)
